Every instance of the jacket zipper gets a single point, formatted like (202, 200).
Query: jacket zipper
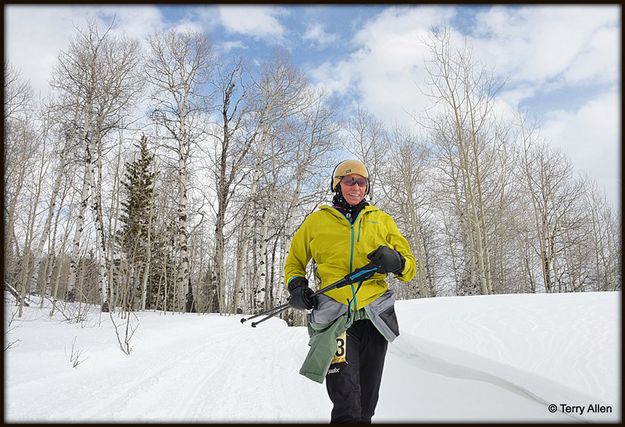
(351, 245)
(351, 258)
(360, 228)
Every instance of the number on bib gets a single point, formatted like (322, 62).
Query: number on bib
(341, 349)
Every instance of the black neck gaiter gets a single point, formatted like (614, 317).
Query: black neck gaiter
(340, 204)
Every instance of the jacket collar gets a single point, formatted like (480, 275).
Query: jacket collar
(339, 215)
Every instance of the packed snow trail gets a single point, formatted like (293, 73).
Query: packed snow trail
(211, 368)
(225, 373)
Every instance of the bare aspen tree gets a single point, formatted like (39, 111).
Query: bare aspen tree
(97, 80)
(405, 194)
(17, 94)
(287, 180)
(35, 187)
(604, 241)
(305, 178)
(463, 96)
(503, 212)
(60, 155)
(54, 259)
(277, 97)
(77, 237)
(178, 67)
(238, 291)
(113, 219)
(165, 227)
(574, 272)
(24, 193)
(547, 175)
(19, 155)
(232, 137)
(53, 283)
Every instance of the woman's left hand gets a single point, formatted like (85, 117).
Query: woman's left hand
(389, 260)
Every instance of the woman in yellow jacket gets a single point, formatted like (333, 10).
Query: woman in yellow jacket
(355, 321)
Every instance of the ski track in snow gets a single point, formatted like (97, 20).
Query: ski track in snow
(218, 373)
(230, 372)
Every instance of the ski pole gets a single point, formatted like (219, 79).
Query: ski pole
(363, 273)
(360, 274)
(269, 316)
(280, 307)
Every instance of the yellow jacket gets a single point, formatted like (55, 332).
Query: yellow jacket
(339, 247)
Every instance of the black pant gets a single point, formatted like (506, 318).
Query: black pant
(353, 386)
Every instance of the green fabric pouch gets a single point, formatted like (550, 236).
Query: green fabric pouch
(322, 347)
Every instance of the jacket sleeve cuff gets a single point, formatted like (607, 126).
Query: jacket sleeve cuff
(296, 281)
(403, 265)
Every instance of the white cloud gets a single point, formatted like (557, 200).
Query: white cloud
(208, 16)
(317, 34)
(599, 61)
(256, 21)
(590, 137)
(514, 95)
(540, 43)
(34, 35)
(387, 66)
(230, 45)
(134, 22)
(188, 27)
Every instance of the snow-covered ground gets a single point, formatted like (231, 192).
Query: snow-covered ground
(503, 358)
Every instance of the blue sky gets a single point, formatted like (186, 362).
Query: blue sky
(562, 64)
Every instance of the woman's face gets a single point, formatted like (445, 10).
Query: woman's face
(354, 188)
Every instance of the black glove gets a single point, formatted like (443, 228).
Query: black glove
(301, 298)
(388, 260)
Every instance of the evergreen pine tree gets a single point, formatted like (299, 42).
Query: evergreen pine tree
(137, 218)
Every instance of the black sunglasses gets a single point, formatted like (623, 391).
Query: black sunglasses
(351, 180)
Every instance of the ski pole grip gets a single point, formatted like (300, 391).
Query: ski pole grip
(363, 273)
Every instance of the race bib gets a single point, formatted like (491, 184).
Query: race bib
(341, 348)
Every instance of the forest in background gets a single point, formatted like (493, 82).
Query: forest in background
(161, 176)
